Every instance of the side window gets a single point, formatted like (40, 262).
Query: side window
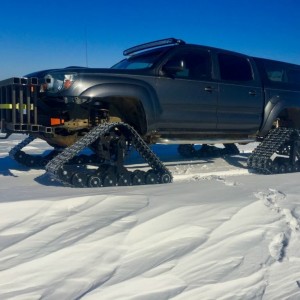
(196, 65)
(234, 67)
(279, 74)
(275, 72)
(276, 75)
(282, 73)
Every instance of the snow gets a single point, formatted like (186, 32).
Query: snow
(217, 232)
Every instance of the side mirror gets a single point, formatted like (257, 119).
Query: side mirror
(173, 66)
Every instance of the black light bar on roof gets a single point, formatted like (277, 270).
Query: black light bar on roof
(159, 43)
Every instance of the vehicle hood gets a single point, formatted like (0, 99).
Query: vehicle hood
(84, 70)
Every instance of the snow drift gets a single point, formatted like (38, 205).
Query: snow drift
(217, 232)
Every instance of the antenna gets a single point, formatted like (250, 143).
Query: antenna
(86, 47)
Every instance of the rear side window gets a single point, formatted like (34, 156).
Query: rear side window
(234, 67)
(276, 73)
(285, 74)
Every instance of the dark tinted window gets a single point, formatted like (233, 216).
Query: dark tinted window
(279, 72)
(234, 68)
(140, 61)
(196, 64)
(277, 75)
(293, 76)
(276, 72)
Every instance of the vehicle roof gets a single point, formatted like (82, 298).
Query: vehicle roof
(167, 48)
(288, 64)
(172, 42)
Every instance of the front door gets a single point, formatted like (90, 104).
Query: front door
(188, 97)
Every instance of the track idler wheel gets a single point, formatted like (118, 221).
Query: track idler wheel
(65, 174)
(275, 168)
(94, 181)
(109, 178)
(296, 167)
(138, 177)
(124, 179)
(151, 177)
(165, 178)
(282, 168)
(269, 164)
(79, 179)
(289, 168)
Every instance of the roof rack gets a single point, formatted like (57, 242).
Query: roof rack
(159, 43)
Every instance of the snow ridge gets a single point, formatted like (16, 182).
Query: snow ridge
(274, 199)
(203, 237)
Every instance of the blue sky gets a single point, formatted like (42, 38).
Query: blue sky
(36, 35)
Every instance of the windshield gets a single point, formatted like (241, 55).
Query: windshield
(140, 61)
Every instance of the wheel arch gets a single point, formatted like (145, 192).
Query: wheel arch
(136, 104)
(286, 112)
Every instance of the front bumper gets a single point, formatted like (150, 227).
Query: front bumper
(18, 106)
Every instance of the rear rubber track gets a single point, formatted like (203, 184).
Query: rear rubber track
(279, 152)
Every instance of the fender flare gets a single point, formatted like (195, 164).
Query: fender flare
(273, 109)
(145, 94)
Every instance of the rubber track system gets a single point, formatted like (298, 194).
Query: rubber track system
(31, 161)
(109, 173)
(279, 152)
(16, 153)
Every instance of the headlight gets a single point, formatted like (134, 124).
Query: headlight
(57, 82)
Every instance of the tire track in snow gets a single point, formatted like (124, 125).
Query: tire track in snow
(217, 178)
(217, 175)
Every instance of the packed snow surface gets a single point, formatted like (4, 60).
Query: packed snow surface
(216, 232)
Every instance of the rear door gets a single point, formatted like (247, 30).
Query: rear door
(241, 101)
